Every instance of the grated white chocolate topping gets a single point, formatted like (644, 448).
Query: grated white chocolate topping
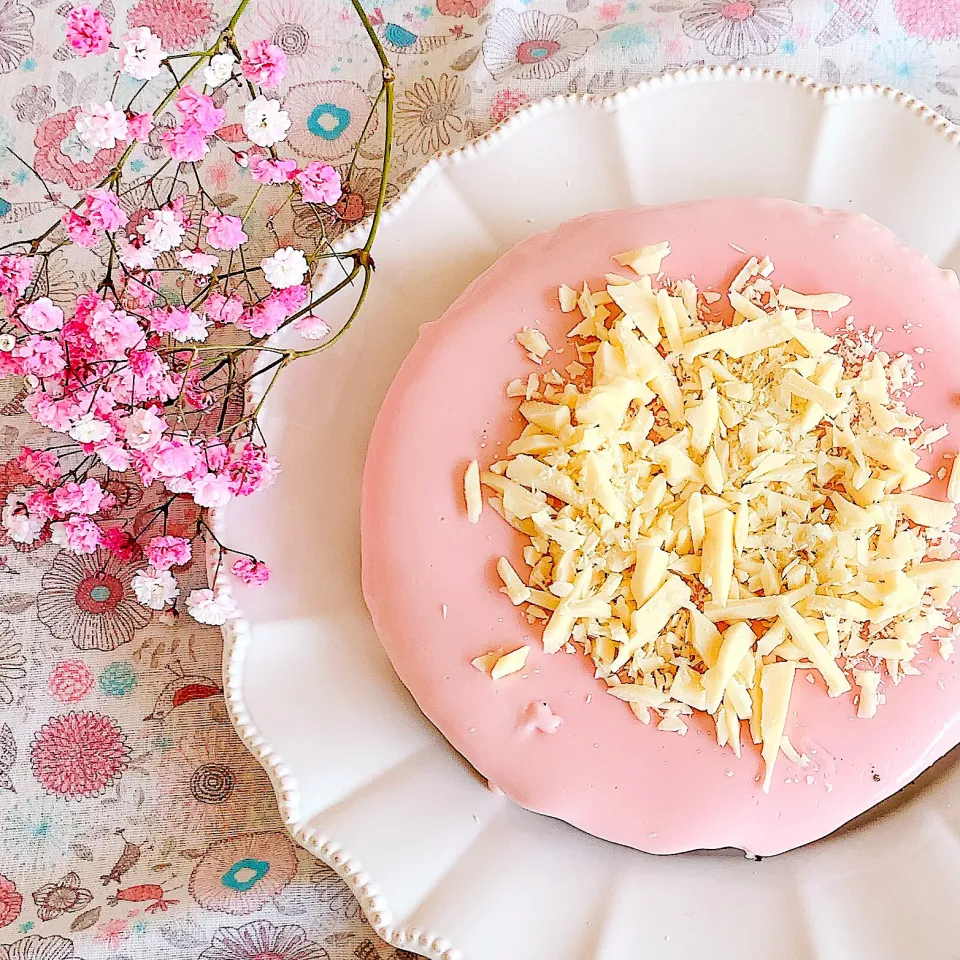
(712, 508)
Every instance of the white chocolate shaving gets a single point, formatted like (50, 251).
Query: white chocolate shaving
(535, 343)
(512, 662)
(472, 492)
(644, 260)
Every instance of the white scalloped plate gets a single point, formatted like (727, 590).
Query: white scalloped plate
(442, 866)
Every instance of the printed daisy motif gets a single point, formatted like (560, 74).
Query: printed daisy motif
(533, 45)
(295, 26)
(79, 755)
(39, 948)
(261, 939)
(934, 20)
(909, 65)
(16, 34)
(327, 118)
(738, 29)
(12, 664)
(88, 600)
(10, 901)
(215, 784)
(428, 114)
(36, 827)
(240, 875)
(333, 894)
(178, 23)
(64, 896)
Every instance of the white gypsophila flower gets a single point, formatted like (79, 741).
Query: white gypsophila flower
(311, 326)
(219, 70)
(101, 126)
(204, 607)
(286, 268)
(198, 263)
(88, 429)
(265, 122)
(141, 54)
(162, 230)
(7, 342)
(21, 527)
(135, 258)
(196, 329)
(155, 590)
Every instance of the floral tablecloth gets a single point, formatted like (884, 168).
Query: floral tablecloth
(132, 822)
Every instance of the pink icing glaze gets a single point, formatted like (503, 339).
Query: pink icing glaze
(602, 770)
(538, 717)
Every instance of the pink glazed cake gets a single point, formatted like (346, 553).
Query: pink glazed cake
(430, 580)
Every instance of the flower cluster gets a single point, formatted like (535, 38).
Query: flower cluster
(145, 372)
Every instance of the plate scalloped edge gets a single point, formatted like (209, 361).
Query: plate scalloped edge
(236, 633)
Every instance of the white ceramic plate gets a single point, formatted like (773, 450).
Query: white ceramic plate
(442, 866)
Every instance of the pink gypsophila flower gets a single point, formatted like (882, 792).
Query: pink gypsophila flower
(163, 229)
(112, 455)
(42, 465)
(139, 126)
(87, 30)
(49, 412)
(265, 170)
(182, 324)
(80, 229)
(186, 144)
(311, 326)
(145, 378)
(85, 498)
(290, 298)
(199, 110)
(222, 310)
(212, 490)
(263, 318)
(174, 458)
(101, 126)
(103, 210)
(264, 63)
(224, 232)
(115, 331)
(42, 315)
(166, 552)
(16, 274)
(251, 572)
(205, 607)
(40, 504)
(138, 291)
(40, 356)
(320, 183)
(79, 534)
(251, 469)
(141, 53)
(121, 544)
(143, 428)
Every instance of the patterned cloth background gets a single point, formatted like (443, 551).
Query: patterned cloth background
(132, 822)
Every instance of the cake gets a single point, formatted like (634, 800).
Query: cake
(546, 733)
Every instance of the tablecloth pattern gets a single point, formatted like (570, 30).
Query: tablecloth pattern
(132, 822)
